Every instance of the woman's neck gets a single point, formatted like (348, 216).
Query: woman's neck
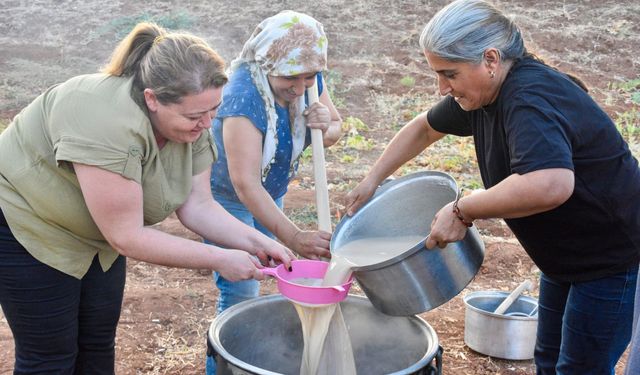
(160, 140)
(282, 103)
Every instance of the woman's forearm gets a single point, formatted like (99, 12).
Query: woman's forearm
(263, 208)
(136, 244)
(520, 195)
(333, 133)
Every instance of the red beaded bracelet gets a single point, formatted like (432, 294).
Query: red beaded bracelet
(456, 211)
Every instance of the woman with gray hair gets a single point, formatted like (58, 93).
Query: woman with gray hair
(555, 169)
(85, 170)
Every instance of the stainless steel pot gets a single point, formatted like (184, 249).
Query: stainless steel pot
(264, 336)
(511, 335)
(419, 279)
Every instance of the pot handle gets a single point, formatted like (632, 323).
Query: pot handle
(339, 288)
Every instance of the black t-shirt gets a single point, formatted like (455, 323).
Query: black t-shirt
(541, 119)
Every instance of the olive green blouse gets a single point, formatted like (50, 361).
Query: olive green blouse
(93, 120)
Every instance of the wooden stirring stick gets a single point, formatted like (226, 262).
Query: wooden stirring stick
(319, 172)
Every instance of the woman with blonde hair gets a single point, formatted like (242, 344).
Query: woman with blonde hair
(84, 170)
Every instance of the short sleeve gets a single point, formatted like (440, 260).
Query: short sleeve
(245, 104)
(447, 117)
(89, 130)
(536, 136)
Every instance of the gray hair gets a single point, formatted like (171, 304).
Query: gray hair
(464, 29)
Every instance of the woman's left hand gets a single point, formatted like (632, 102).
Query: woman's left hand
(318, 116)
(275, 252)
(446, 227)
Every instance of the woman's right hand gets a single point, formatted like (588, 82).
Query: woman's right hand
(240, 265)
(446, 227)
(359, 195)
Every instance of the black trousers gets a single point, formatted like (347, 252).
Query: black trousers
(60, 325)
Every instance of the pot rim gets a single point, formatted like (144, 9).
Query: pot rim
(498, 293)
(213, 335)
(391, 185)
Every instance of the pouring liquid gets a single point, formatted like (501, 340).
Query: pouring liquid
(327, 347)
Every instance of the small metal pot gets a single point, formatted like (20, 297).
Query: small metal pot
(419, 279)
(511, 335)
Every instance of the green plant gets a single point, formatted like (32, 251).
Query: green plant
(359, 142)
(448, 139)
(348, 159)
(354, 123)
(306, 155)
(472, 184)
(632, 85)
(630, 90)
(303, 216)
(628, 124)
(408, 81)
(352, 126)
(452, 163)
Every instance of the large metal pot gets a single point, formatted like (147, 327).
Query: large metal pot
(511, 335)
(419, 279)
(264, 336)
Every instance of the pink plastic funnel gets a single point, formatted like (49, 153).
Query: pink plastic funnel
(313, 295)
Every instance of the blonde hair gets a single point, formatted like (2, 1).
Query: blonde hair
(173, 65)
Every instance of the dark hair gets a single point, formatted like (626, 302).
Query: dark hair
(173, 65)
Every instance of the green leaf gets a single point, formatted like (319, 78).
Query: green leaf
(288, 25)
(321, 42)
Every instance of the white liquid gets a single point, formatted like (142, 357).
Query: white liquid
(365, 252)
(306, 281)
(327, 347)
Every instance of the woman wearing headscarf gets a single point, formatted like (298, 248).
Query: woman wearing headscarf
(261, 129)
(554, 167)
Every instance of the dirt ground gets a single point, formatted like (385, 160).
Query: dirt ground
(377, 75)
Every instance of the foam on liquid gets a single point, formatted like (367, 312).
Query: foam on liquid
(327, 347)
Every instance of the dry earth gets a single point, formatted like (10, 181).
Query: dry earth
(377, 75)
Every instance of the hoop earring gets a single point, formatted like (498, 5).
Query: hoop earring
(492, 74)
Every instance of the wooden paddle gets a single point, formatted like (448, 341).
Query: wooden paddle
(511, 298)
(319, 172)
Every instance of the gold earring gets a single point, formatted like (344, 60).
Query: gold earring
(492, 74)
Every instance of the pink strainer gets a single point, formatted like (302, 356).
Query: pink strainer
(312, 295)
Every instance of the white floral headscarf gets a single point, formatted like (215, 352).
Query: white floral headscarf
(287, 44)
